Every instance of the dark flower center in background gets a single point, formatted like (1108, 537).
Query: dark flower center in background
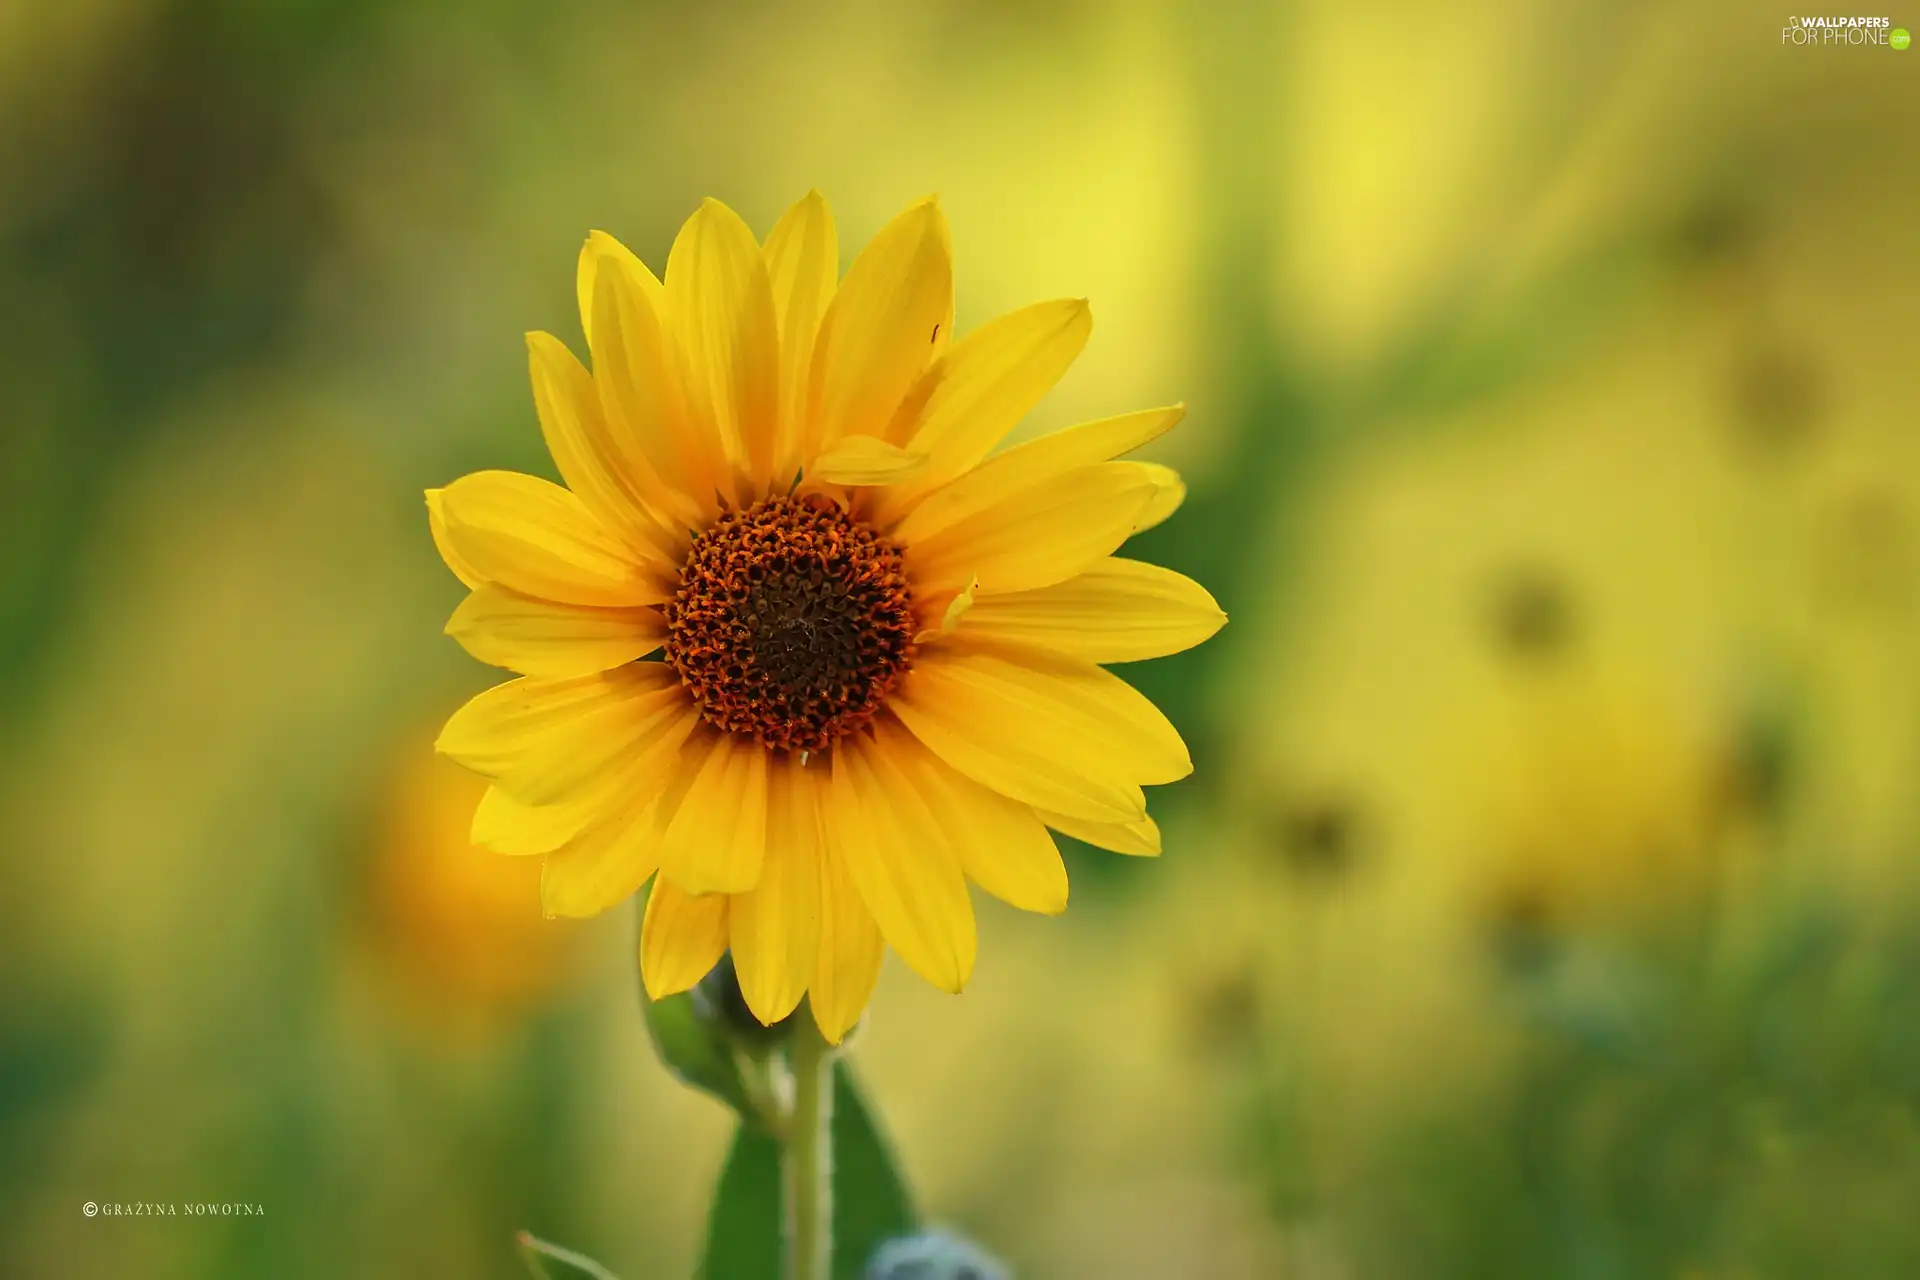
(1533, 615)
(1318, 837)
(792, 623)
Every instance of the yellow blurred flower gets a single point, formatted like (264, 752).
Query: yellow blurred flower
(881, 646)
(455, 923)
(1592, 801)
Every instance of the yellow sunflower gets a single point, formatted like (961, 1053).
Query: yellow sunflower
(790, 642)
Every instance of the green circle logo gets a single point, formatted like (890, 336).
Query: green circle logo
(1899, 38)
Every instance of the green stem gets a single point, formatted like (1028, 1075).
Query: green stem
(808, 1167)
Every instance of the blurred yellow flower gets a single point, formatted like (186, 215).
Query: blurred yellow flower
(1598, 802)
(881, 646)
(453, 921)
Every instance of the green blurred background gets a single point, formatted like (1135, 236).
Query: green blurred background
(1544, 903)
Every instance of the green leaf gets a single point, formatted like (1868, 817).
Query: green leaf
(698, 1051)
(548, 1261)
(871, 1203)
(743, 1227)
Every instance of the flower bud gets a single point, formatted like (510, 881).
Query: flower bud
(933, 1255)
(719, 1002)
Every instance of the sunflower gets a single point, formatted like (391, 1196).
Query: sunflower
(790, 643)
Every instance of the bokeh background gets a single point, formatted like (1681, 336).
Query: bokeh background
(1544, 903)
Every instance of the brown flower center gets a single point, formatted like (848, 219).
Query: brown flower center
(792, 623)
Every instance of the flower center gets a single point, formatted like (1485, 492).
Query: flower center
(792, 623)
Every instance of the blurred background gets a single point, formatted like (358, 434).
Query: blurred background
(1545, 900)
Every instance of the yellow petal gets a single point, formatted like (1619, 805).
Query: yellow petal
(1169, 491)
(598, 254)
(851, 947)
(864, 460)
(681, 938)
(714, 819)
(534, 537)
(1139, 838)
(507, 824)
(600, 868)
(1117, 611)
(1026, 466)
(878, 334)
(1121, 720)
(1002, 845)
(1037, 537)
(618, 733)
(722, 306)
(601, 468)
(504, 824)
(615, 760)
(496, 728)
(1043, 738)
(775, 928)
(637, 372)
(437, 525)
(541, 638)
(965, 405)
(803, 262)
(901, 862)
